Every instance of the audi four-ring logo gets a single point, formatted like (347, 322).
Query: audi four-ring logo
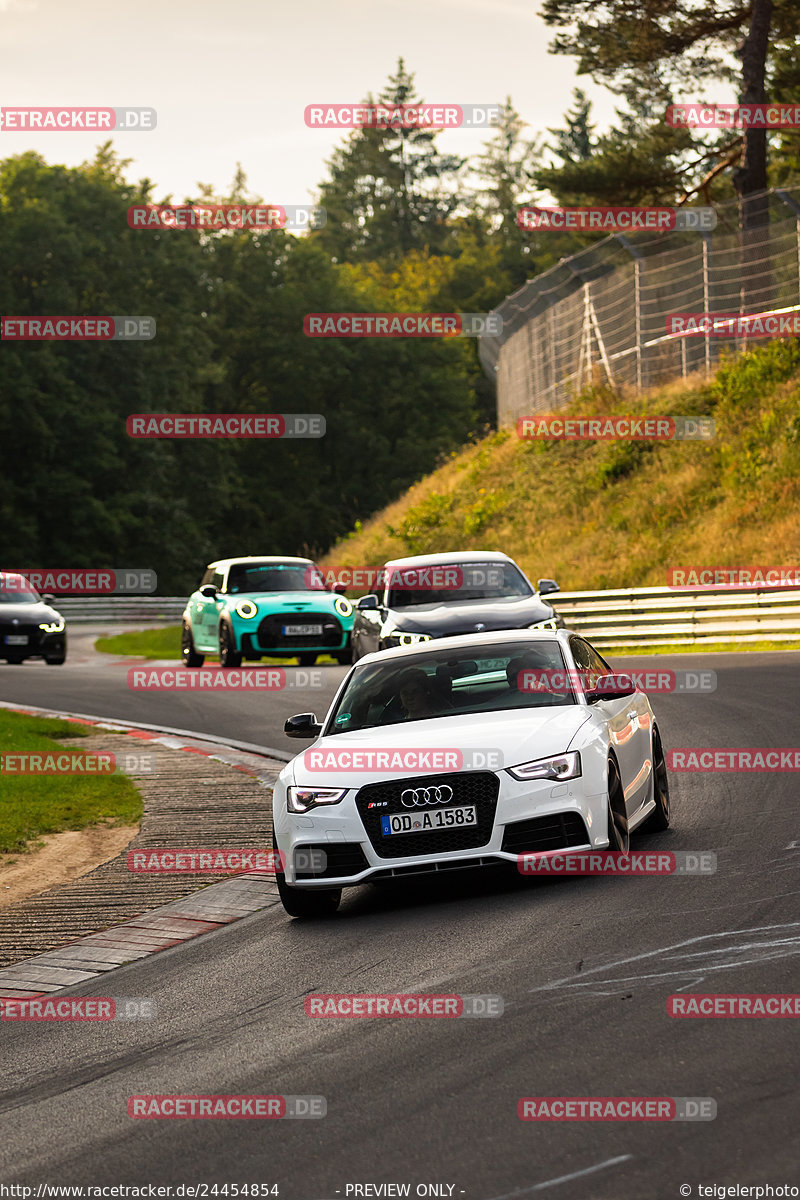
(428, 795)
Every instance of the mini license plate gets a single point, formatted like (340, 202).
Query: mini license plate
(16, 639)
(424, 822)
(302, 631)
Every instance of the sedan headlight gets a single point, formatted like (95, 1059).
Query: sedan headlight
(300, 800)
(562, 766)
(551, 623)
(53, 626)
(398, 638)
(342, 606)
(246, 609)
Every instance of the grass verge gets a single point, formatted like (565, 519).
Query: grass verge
(33, 805)
(698, 648)
(617, 514)
(165, 643)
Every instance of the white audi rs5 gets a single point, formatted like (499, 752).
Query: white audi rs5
(465, 752)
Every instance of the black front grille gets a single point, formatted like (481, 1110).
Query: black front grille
(340, 859)
(270, 631)
(32, 632)
(479, 788)
(558, 831)
(436, 868)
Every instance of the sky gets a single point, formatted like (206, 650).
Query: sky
(230, 79)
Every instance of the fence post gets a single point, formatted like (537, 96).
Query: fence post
(706, 290)
(636, 255)
(795, 207)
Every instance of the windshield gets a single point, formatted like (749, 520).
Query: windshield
(275, 577)
(440, 583)
(420, 686)
(15, 589)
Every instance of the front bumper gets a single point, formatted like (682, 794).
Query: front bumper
(265, 636)
(529, 816)
(38, 645)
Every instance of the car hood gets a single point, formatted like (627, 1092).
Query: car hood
(285, 601)
(519, 735)
(28, 614)
(461, 616)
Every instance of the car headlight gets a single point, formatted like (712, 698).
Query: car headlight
(53, 626)
(551, 623)
(342, 606)
(246, 609)
(561, 766)
(300, 800)
(398, 638)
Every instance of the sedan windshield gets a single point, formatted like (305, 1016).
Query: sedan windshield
(417, 687)
(15, 589)
(275, 577)
(442, 583)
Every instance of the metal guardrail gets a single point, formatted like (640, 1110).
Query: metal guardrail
(628, 617)
(111, 610)
(632, 617)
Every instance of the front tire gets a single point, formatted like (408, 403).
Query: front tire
(188, 653)
(298, 902)
(659, 817)
(618, 836)
(55, 660)
(229, 657)
(344, 657)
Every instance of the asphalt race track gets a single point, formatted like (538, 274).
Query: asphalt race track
(584, 966)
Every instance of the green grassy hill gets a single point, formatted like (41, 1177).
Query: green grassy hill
(619, 514)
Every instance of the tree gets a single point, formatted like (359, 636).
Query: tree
(504, 170)
(390, 190)
(575, 143)
(620, 42)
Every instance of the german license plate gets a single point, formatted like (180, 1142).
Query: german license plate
(427, 822)
(302, 631)
(16, 639)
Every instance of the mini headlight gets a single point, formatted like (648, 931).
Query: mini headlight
(246, 609)
(561, 766)
(342, 606)
(300, 800)
(53, 626)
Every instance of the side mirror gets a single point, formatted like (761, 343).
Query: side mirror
(48, 597)
(339, 588)
(547, 586)
(610, 687)
(304, 725)
(368, 602)
(209, 591)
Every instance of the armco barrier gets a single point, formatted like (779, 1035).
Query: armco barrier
(660, 616)
(627, 617)
(111, 610)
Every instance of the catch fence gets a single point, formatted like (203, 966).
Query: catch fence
(602, 312)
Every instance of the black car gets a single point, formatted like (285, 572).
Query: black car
(29, 627)
(443, 595)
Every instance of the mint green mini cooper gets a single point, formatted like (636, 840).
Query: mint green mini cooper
(248, 608)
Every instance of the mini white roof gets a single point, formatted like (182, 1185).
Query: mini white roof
(258, 558)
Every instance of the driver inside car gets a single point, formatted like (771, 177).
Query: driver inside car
(536, 672)
(419, 696)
